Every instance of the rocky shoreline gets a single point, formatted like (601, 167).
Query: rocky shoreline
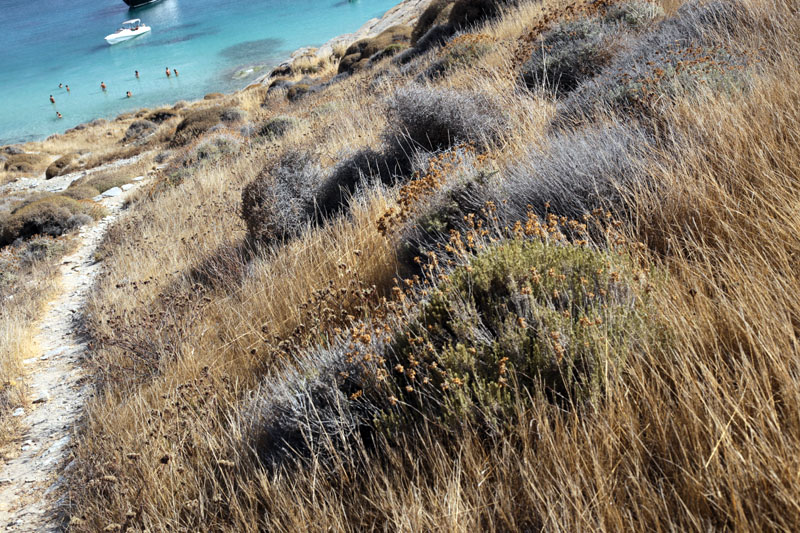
(406, 13)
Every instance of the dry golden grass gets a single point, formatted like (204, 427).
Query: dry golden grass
(311, 64)
(17, 344)
(699, 433)
(25, 287)
(37, 162)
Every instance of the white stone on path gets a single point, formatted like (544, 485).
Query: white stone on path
(112, 192)
(127, 186)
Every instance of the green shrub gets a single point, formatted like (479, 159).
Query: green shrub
(522, 315)
(99, 182)
(521, 319)
(634, 15)
(42, 248)
(392, 49)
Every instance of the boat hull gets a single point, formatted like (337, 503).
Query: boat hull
(137, 3)
(115, 38)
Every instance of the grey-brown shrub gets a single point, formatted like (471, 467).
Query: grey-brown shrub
(598, 167)
(232, 115)
(350, 175)
(196, 123)
(693, 48)
(23, 162)
(139, 130)
(307, 413)
(569, 53)
(429, 118)
(277, 126)
(50, 215)
(279, 203)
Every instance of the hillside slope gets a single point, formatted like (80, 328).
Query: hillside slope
(522, 266)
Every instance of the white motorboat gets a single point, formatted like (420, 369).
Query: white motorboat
(129, 29)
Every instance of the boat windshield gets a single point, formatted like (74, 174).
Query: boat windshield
(131, 24)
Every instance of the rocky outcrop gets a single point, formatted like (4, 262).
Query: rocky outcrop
(59, 166)
(386, 43)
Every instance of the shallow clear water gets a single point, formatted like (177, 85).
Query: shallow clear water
(47, 42)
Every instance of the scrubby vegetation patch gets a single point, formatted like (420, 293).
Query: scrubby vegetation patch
(678, 57)
(276, 127)
(51, 215)
(461, 51)
(529, 316)
(431, 119)
(280, 202)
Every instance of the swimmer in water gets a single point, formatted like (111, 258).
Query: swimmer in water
(103, 85)
(137, 74)
(58, 115)
(175, 71)
(168, 74)
(128, 94)
(67, 87)
(52, 100)
(60, 85)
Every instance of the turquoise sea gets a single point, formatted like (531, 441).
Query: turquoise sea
(47, 42)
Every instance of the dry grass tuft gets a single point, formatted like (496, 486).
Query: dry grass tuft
(27, 280)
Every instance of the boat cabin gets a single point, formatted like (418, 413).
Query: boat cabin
(132, 24)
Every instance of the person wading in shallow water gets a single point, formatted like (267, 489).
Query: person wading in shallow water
(175, 71)
(52, 100)
(168, 73)
(103, 85)
(67, 88)
(128, 94)
(137, 74)
(58, 115)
